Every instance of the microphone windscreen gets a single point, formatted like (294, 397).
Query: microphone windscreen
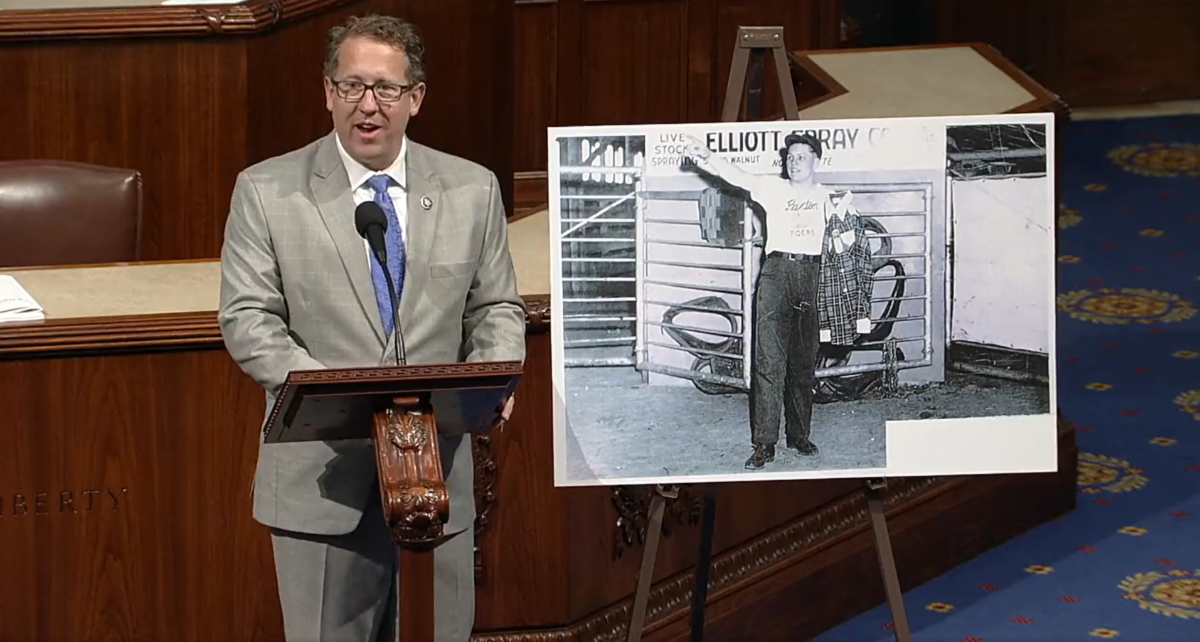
(369, 214)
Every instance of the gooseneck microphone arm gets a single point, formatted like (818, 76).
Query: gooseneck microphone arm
(401, 358)
(371, 223)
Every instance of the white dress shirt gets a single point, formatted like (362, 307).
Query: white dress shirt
(359, 174)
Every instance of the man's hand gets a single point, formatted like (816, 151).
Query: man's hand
(695, 149)
(505, 413)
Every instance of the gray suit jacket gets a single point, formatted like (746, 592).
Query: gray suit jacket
(296, 294)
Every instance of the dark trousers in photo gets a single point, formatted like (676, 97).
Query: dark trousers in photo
(786, 341)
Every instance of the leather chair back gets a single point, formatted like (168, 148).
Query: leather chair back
(67, 213)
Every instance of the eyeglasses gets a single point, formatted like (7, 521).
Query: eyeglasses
(386, 92)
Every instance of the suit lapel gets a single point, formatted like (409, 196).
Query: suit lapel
(424, 208)
(331, 189)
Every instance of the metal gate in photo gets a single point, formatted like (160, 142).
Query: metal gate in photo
(899, 221)
(699, 257)
(600, 209)
(662, 280)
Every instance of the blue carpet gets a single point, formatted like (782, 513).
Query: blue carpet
(1126, 563)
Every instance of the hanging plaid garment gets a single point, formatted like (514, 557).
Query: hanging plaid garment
(844, 298)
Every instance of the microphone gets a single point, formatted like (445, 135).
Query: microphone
(371, 223)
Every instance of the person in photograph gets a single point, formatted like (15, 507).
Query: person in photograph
(795, 298)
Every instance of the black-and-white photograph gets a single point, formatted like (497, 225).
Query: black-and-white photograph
(787, 299)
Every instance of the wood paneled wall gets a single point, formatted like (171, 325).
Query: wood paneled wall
(1095, 53)
(190, 96)
(599, 62)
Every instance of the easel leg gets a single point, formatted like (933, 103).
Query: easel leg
(641, 598)
(703, 565)
(887, 562)
(755, 86)
(416, 612)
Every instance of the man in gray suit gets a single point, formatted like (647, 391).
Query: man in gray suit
(300, 290)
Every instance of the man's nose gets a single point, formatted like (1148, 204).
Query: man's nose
(367, 104)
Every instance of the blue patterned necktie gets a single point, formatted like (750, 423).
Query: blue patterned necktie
(394, 243)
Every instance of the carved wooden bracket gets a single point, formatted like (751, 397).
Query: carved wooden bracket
(268, 16)
(633, 515)
(537, 314)
(485, 497)
(215, 19)
(416, 503)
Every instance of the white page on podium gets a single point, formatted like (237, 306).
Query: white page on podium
(16, 304)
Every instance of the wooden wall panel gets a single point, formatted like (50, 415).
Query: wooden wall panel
(1025, 32)
(535, 81)
(744, 514)
(525, 542)
(125, 492)
(1098, 53)
(172, 109)
(634, 58)
(1117, 52)
(190, 96)
(637, 62)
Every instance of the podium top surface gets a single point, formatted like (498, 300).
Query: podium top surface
(330, 405)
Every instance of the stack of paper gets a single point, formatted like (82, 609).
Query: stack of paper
(16, 304)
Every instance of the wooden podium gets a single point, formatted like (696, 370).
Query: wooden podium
(399, 409)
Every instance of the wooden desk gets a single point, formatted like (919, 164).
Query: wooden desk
(128, 453)
(130, 439)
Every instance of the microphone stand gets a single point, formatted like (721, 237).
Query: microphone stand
(401, 357)
(381, 256)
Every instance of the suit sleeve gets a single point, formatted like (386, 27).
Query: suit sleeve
(253, 312)
(494, 316)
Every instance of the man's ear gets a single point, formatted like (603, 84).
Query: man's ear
(418, 97)
(330, 94)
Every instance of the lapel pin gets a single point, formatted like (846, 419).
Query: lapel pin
(426, 202)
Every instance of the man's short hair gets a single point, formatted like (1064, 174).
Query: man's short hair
(801, 139)
(797, 139)
(389, 30)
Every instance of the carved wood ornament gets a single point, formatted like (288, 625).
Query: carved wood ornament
(486, 470)
(252, 16)
(416, 503)
(633, 515)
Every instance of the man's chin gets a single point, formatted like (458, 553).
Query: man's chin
(371, 154)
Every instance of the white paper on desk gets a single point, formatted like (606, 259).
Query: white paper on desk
(15, 302)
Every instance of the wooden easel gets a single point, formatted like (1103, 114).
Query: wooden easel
(751, 48)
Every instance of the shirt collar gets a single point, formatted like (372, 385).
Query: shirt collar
(359, 173)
